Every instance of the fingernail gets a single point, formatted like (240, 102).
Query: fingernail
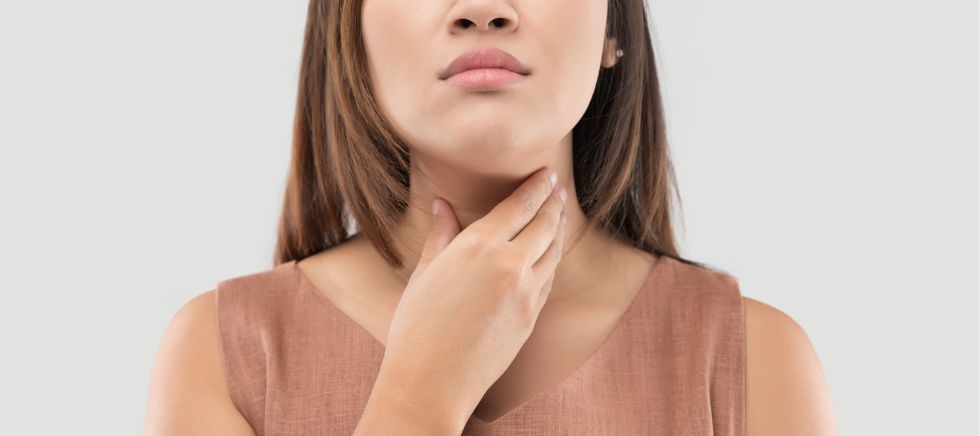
(562, 194)
(435, 208)
(553, 177)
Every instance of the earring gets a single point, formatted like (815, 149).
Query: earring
(619, 52)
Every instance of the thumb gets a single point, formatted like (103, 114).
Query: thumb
(444, 229)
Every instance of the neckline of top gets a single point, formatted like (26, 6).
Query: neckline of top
(648, 286)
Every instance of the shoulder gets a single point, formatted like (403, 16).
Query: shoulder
(786, 391)
(713, 293)
(268, 283)
(685, 277)
(256, 299)
(188, 393)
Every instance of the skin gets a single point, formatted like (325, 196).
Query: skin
(473, 149)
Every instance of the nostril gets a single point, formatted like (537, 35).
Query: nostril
(496, 22)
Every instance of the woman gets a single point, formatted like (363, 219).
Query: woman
(542, 293)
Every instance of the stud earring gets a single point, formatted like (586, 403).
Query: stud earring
(619, 52)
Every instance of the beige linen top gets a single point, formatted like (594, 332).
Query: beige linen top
(673, 365)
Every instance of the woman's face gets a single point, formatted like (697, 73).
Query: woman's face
(516, 128)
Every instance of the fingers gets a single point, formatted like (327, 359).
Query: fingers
(548, 262)
(538, 235)
(445, 227)
(508, 217)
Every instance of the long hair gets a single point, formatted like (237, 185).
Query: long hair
(350, 169)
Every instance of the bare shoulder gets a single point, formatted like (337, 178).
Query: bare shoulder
(188, 393)
(786, 390)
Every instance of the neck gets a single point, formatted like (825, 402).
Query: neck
(472, 195)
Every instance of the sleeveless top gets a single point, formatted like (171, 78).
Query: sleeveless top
(674, 364)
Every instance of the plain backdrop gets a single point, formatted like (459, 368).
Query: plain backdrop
(827, 155)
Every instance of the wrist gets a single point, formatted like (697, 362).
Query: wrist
(399, 408)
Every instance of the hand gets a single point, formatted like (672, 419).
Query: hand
(474, 298)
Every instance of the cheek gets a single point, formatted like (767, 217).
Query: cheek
(572, 38)
(400, 62)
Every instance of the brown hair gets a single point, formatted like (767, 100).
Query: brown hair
(349, 168)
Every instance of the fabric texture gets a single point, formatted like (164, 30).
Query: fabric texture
(673, 365)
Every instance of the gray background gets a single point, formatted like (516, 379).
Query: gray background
(827, 155)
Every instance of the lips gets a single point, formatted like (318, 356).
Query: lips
(488, 57)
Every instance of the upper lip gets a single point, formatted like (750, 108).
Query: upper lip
(488, 57)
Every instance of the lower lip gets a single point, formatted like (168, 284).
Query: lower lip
(485, 78)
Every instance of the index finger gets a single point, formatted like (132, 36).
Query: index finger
(508, 218)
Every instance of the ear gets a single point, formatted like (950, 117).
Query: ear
(609, 58)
